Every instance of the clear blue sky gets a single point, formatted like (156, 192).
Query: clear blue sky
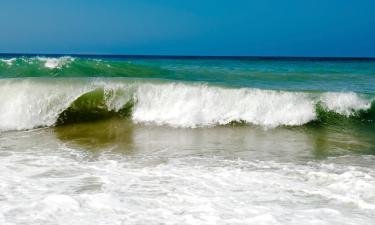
(191, 27)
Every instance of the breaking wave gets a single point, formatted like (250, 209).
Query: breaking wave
(68, 66)
(32, 103)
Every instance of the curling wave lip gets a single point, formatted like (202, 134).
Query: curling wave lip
(31, 103)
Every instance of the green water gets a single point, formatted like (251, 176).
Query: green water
(140, 140)
(316, 74)
(333, 96)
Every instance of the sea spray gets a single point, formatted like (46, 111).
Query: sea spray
(31, 103)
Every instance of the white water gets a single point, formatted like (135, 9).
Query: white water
(55, 63)
(47, 181)
(190, 106)
(30, 103)
(9, 62)
(26, 104)
(114, 172)
(48, 62)
(344, 103)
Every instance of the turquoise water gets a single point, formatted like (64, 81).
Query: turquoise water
(191, 140)
(316, 74)
(305, 90)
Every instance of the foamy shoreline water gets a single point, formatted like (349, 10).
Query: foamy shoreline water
(52, 177)
(98, 140)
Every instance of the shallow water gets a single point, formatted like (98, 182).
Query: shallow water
(169, 142)
(116, 172)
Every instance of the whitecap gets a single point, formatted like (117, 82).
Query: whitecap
(53, 63)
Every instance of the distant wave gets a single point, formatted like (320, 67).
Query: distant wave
(55, 63)
(47, 62)
(68, 66)
(8, 62)
(32, 103)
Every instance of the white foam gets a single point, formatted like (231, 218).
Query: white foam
(9, 62)
(53, 63)
(344, 103)
(31, 103)
(51, 187)
(182, 105)
(26, 104)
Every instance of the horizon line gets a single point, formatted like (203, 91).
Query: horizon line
(109, 55)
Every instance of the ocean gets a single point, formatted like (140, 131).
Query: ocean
(186, 140)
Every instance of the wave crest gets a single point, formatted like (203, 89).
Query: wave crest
(8, 62)
(53, 63)
(344, 103)
(30, 103)
(68, 66)
(194, 106)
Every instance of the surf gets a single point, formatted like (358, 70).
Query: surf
(35, 102)
(68, 66)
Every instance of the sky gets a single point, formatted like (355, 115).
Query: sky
(343, 28)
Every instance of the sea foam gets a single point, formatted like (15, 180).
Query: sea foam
(9, 62)
(193, 106)
(344, 103)
(30, 103)
(53, 63)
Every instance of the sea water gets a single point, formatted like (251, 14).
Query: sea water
(186, 140)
